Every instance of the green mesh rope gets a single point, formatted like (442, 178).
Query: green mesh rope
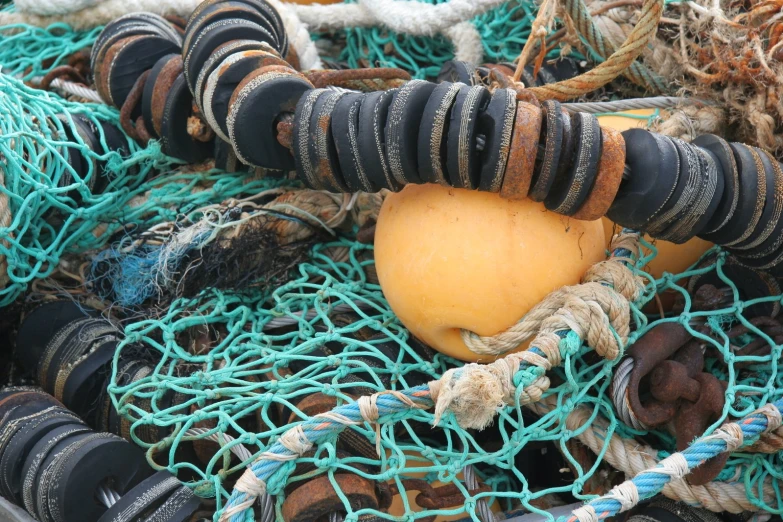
(43, 215)
(27, 51)
(235, 383)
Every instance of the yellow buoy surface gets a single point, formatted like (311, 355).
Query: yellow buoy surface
(449, 259)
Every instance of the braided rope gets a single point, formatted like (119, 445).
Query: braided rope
(473, 393)
(653, 480)
(615, 65)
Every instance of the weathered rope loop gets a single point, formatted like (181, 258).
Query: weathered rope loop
(615, 65)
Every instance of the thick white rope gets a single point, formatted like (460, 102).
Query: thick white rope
(53, 7)
(451, 19)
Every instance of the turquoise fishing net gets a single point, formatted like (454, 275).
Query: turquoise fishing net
(503, 32)
(47, 209)
(233, 380)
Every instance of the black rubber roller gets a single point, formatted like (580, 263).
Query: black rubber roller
(345, 131)
(433, 134)
(138, 55)
(551, 144)
(175, 140)
(257, 108)
(213, 36)
(86, 379)
(372, 145)
(40, 325)
(773, 204)
(463, 157)
(402, 130)
(73, 477)
(727, 167)
(654, 170)
(455, 71)
(223, 10)
(570, 191)
(178, 508)
(495, 127)
(146, 496)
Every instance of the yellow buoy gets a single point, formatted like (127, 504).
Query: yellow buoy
(449, 259)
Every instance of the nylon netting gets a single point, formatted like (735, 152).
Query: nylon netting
(268, 350)
(47, 207)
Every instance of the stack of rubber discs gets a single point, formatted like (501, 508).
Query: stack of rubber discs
(69, 351)
(456, 71)
(126, 48)
(727, 193)
(158, 498)
(54, 465)
(100, 138)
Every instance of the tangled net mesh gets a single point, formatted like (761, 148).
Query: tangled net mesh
(237, 359)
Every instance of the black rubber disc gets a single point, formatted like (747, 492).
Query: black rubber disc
(751, 185)
(213, 36)
(87, 379)
(175, 140)
(433, 133)
(40, 325)
(548, 158)
(727, 167)
(253, 117)
(225, 10)
(770, 216)
(104, 458)
(146, 97)
(21, 443)
(145, 496)
(455, 71)
(654, 170)
(225, 79)
(402, 130)
(463, 157)
(132, 60)
(372, 135)
(569, 192)
(178, 508)
(322, 152)
(496, 125)
(345, 132)
(217, 58)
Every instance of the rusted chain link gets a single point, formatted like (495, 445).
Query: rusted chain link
(128, 107)
(63, 71)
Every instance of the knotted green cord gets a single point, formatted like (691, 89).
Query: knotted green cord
(239, 376)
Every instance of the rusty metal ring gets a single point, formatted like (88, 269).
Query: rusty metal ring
(522, 154)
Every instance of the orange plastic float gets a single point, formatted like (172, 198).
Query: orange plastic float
(449, 259)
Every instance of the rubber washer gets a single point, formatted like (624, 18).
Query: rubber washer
(174, 135)
(146, 495)
(226, 10)
(149, 86)
(770, 215)
(727, 167)
(455, 71)
(402, 129)
(213, 36)
(178, 508)
(372, 139)
(89, 463)
(463, 157)
(433, 132)
(752, 195)
(569, 192)
(681, 210)
(322, 151)
(224, 80)
(774, 239)
(550, 149)
(133, 57)
(653, 163)
(610, 175)
(523, 153)
(161, 87)
(217, 58)
(345, 130)
(496, 125)
(40, 325)
(86, 379)
(258, 105)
